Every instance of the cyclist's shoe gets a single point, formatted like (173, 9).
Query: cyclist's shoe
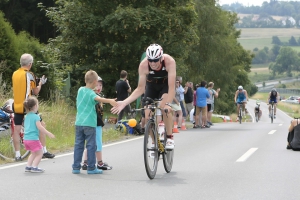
(37, 170)
(95, 171)
(28, 169)
(17, 159)
(84, 166)
(48, 155)
(104, 166)
(170, 144)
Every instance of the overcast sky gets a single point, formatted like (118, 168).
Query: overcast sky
(247, 2)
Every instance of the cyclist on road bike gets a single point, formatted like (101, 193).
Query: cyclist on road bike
(241, 95)
(158, 73)
(257, 109)
(273, 96)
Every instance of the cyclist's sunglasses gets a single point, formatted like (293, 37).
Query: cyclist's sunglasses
(153, 60)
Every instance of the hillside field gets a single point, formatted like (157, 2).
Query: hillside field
(262, 37)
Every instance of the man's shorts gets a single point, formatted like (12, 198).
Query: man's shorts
(18, 118)
(201, 109)
(209, 108)
(189, 107)
(176, 107)
(240, 100)
(275, 101)
(155, 90)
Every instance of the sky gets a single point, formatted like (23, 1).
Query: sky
(246, 2)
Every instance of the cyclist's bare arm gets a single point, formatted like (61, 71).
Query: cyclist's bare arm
(143, 71)
(171, 69)
(246, 93)
(236, 93)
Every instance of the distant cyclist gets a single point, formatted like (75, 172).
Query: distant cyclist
(273, 96)
(257, 109)
(241, 95)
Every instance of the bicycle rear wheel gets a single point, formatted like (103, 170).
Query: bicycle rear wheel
(272, 115)
(150, 149)
(240, 116)
(168, 156)
(7, 150)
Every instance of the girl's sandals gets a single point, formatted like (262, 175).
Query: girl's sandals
(196, 126)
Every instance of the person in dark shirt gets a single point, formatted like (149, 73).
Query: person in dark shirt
(122, 90)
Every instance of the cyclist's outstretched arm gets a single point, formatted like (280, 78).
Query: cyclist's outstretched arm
(235, 96)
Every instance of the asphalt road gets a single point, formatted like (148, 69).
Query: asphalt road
(227, 161)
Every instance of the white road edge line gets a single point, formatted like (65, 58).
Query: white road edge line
(246, 155)
(271, 132)
(67, 154)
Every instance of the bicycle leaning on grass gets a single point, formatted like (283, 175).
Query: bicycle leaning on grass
(7, 125)
(154, 142)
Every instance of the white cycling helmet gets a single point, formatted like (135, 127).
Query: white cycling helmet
(240, 87)
(154, 51)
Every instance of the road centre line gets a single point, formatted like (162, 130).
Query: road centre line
(246, 155)
(271, 132)
(67, 154)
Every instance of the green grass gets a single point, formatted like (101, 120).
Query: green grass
(260, 43)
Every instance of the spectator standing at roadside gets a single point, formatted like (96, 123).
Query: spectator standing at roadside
(181, 90)
(24, 85)
(99, 110)
(188, 97)
(32, 129)
(210, 101)
(176, 105)
(86, 123)
(201, 105)
(122, 90)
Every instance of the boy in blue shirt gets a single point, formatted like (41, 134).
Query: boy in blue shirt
(86, 123)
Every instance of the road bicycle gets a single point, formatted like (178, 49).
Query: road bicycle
(154, 142)
(272, 111)
(240, 116)
(257, 112)
(7, 150)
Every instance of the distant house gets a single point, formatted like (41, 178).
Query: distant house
(290, 19)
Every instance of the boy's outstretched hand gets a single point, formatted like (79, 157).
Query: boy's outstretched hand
(113, 102)
(117, 109)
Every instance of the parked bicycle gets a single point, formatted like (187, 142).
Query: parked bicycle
(155, 142)
(7, 150)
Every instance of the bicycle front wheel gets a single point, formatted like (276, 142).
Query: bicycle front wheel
(168, 156)
(240, 116)
(150, 149)
(256, 116)
(7, 150)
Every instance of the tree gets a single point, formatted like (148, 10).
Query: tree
(293, 41)
(285, 61)
(276, 40)
(108, 36)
